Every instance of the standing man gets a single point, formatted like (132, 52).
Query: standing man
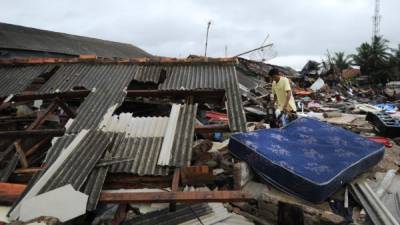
(283, 96)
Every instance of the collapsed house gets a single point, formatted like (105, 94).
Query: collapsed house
(110, 139)
(118, 114)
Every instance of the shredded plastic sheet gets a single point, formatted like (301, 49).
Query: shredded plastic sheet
(308, 158)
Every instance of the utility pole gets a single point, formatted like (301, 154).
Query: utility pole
(252, 50)
(226, 51)
(376, 19)
(208, 29)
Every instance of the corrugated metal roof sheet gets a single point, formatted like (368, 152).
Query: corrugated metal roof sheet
(94, 184)
(139, 139)
(201, 76)
(15, 79)
(149, 73)
(89, 75)
(135, 126)
(108, 83)
(181, 152)
(165, 152)
(144, 153)
(55, 150)
(76, 168)
(181, 214)
(27, 38)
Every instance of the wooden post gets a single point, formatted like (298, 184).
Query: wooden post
(22, 157)
(37, 123)
(175, 187)
(36, 146)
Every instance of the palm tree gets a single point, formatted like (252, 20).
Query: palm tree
(373, 58)
(341, 60)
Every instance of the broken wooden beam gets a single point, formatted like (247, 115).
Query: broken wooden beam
(10, 192)
(34, 125)
(32, 133)
(42, 118)
(37, 146)
(206, 94)
(175, 187)
(28, 170)
(63, 95)
(211, 128)
(168, 197)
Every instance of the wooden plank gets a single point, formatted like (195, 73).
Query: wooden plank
(36, 124)
(22, 157)
(175, 187)
(41, 119)
(168, 197)
(28, 170)
(10, 192)
(37, 146)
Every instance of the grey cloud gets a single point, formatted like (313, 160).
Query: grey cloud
(298, 28)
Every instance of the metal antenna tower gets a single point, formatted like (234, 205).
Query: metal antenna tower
(376, 19)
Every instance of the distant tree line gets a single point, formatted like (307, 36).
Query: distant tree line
(376, 60)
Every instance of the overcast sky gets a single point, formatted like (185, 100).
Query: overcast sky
(299, 29)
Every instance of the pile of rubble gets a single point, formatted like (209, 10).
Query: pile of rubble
(146, 141)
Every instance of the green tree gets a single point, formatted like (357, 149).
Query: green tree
(341, 60)
(394, 63)
(373, 59)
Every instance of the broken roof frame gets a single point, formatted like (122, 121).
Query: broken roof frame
(199, 80)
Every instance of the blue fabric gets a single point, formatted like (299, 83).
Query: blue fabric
(309, 158)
